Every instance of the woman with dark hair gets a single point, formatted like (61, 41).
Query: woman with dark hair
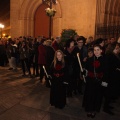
(101, 42)
(58, 74)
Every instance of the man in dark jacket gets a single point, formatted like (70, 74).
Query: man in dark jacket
(83, 52)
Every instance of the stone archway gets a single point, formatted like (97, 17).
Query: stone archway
(27, 12)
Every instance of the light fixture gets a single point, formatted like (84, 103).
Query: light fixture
(1, 26)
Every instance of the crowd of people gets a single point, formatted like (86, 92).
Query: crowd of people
(100, 60)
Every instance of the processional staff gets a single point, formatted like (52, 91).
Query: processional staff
(81, 68)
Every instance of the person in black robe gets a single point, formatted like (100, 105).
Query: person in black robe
(93, 90)
(58, 87)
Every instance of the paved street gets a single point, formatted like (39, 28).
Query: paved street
(28, 99)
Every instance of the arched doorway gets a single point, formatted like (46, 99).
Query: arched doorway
(30, 17)
(41, 22)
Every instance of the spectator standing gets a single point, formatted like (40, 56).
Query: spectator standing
(24, 58)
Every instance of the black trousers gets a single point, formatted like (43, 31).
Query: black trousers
(35, 69)
(41, 72)
(25, 64)
(2, 60)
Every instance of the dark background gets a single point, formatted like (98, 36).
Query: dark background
(4, 10)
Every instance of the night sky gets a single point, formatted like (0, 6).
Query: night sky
(4, 10)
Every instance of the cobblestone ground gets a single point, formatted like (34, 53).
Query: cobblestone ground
(28, 99)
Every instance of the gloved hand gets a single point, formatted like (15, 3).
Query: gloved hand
(84, 72)
(66, 83)
(104, 84)
(49, 77)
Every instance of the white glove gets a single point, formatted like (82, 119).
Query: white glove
(104, 84)
(65, 83)
(49, 76)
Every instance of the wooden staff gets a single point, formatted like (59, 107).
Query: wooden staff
(47, 75)
(81, 66)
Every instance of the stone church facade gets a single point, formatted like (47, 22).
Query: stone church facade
(28, 18)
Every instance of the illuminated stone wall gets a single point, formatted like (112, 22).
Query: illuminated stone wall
(74, 14)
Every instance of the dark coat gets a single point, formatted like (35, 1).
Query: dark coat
(113, 74)
(42, 54)
(24, 53)
(70, 62)
(14, 51)
(2, 50)
(50, 55)
(58, 89)
(83, 53)
(8, 51)
(2, 55)
(55, 45)
(35, 50)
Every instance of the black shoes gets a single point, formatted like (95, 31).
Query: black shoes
(59, 107)
(23, 75)
(75, 92)
(108, 111)
(110, 107)
(92, 115)
(37, 75)
(10, 69)
(30, 76)
(88, 114)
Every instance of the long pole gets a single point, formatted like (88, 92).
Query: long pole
(50, 21)
(81, 66)
(50, 27)
(47, 75)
